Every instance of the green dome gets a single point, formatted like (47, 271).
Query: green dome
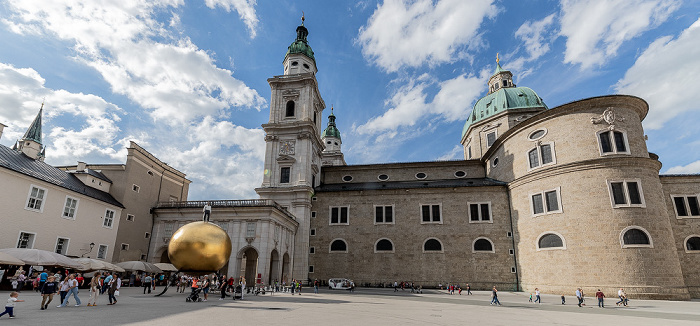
(300, 44)
(507, 98)
(331, 130)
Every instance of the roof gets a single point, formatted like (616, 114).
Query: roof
(448, 183)
(34, 131)
(300, 44)
(331, 130)
(20, 163)
(506, 98)
(94, 173)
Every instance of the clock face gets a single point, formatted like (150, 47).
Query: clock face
(287, 147)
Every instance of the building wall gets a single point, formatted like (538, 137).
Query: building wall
(684, 227)
(49, 225)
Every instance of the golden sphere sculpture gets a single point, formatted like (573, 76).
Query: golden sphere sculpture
(199, 247)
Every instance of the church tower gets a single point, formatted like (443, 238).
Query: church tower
(332, 155)
(293, 144)
(30, 144)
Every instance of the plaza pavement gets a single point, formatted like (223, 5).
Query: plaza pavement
(363, 307)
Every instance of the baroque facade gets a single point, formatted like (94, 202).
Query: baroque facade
(554, 198)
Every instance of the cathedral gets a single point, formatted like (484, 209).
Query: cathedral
(553, 198)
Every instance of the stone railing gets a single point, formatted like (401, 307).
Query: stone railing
(225, 203)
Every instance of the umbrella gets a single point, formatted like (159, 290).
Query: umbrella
(41, 257)
(166, 267)
(90, 264)
(135, 265)
(7, 259)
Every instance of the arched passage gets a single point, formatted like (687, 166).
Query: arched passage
(285, 268)
(248, 258)
(164, 257)
(274, 267)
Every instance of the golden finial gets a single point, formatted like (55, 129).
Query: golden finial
(42, 103)
(497, 59)
(302, 17)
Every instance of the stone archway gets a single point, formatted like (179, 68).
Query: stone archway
(164, 258)
(285, 268)
(248, 258)
(274, 266)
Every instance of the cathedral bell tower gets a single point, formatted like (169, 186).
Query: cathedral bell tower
(293, 144)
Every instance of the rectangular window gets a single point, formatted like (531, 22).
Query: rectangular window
(490, 138)
(548, 201)
(541, 155)
(109, 218)
(312, 232)
(626, 193)
(313, 214)
(62, 246)
(125, 246)
(311, 268)
(469, 153)
(383, 214)
(143, 257)
(312, 250)
(147, 235)
(250, 229)
(136, 188)
(431, 213)
(285, 173)
(613, 142)
(479, 212)
(511, 252)
(130, 217)
(102, 252)
(36, 198)
(70, 207)
(339, 215)
(686, 206)
(26, 240)
(168, 229)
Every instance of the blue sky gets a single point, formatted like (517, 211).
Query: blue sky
(187, 80)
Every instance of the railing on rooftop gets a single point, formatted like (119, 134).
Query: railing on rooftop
(225, 203)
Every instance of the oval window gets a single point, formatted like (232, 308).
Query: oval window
(295, 63)
(347, 178)
(537, 134)
(495, 162)
(383, 177)
(421, 175)
(328, 142)
(306, 66)
(460, 174)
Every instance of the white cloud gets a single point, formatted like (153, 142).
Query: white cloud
(685, 169)
(410, 33)
(595, 29)
(666, 67)
(456, 153)
(535, 37)
(94, 130)
(244, 8)
(137, 55)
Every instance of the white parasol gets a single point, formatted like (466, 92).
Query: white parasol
(41, 257)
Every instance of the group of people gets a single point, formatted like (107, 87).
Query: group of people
(414, 288)
(580, 297)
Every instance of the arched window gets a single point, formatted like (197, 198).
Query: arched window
(339, 245)
(290, 109)
(550, 240)
(384, 245)
(634, 236)
(482, 245)
(432, 245)
(692, 243)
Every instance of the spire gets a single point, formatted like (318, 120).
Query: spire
(34, 131)
(301, 44)
(502, 78)
(498, 65)
(331, 130)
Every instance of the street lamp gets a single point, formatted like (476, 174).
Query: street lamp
(92, 245)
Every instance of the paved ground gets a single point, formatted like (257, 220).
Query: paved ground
(364, 307)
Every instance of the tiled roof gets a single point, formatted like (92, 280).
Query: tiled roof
(18, 162)
(449, 183)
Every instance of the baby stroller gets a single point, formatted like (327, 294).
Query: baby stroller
(238, 293)
(194, 296)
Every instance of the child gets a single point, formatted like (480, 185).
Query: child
(14, 284)
(10, 306)
(530, 298)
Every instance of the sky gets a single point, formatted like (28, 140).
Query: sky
(187, 80)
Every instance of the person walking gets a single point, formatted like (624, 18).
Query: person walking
(494, 296)
(469, 289)
(21, 279)
(623, 297)
(600, 297)
(205, 287)
(147, 284)
(316, 286)
(222, 287)
(62, 288)
(396, 286)
(47, 291)
(112, 290)
(579, 296)
(72, 290)
(537, 296)
(105, 284)
(94, 289)
(42, 279)
(10, 305)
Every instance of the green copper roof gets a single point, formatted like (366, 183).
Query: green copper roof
(499, 69)
(331, 130)
(300, 44)
(34, 131)
(507, 98)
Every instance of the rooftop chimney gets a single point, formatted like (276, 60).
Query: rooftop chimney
(2, 126)
(81, 166)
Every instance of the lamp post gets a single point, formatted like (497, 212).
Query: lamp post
(92, 245)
